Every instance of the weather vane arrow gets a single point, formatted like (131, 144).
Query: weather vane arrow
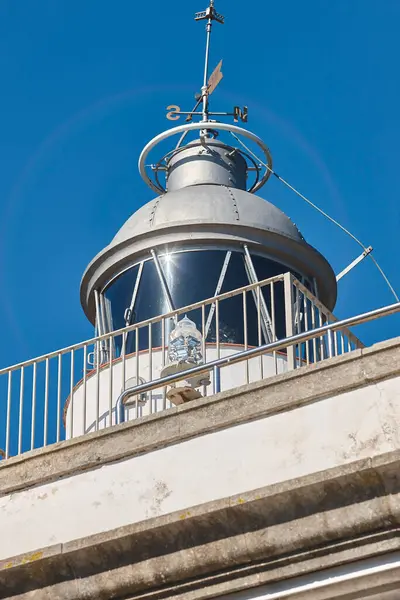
(215, 78)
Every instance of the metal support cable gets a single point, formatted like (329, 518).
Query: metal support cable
(353, 237)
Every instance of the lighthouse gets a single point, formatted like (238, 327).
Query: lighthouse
(206, 232)
(223, 435)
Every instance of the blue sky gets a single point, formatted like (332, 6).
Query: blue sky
(85, 85)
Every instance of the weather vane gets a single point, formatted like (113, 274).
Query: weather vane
(209, 84)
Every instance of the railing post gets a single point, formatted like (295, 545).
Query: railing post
(289, 318)
(216, 380)
(330, 343)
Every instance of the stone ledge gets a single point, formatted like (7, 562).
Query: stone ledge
(266, 573)
(297, 526)
(254, 401)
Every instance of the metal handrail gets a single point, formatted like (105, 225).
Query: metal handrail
(157, 319)
(171, 314)
(259, 350)
(318, 304)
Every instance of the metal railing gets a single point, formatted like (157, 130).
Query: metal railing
(60, 395)
(286, 343)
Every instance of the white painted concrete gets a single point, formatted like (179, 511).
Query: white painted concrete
(95, 400)
(325, 434)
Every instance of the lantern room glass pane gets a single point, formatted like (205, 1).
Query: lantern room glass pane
(119, 296)
(191, 277)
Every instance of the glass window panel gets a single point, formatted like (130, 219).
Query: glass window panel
(231, 328)
(266, 268)
(119, 295)
(192, 277)
(150, 302)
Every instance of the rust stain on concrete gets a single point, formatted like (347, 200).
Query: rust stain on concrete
(31, 557)
(185, 515)
(27, 558)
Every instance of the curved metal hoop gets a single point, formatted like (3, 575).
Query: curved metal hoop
(196, 126)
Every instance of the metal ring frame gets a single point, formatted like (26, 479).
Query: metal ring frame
(201, 126)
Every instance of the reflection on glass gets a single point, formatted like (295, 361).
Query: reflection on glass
(119, 295)
(191, 277)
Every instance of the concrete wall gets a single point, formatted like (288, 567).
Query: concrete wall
(327, 430)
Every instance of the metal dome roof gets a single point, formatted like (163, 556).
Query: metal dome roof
(207, 204)
(204, 216)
